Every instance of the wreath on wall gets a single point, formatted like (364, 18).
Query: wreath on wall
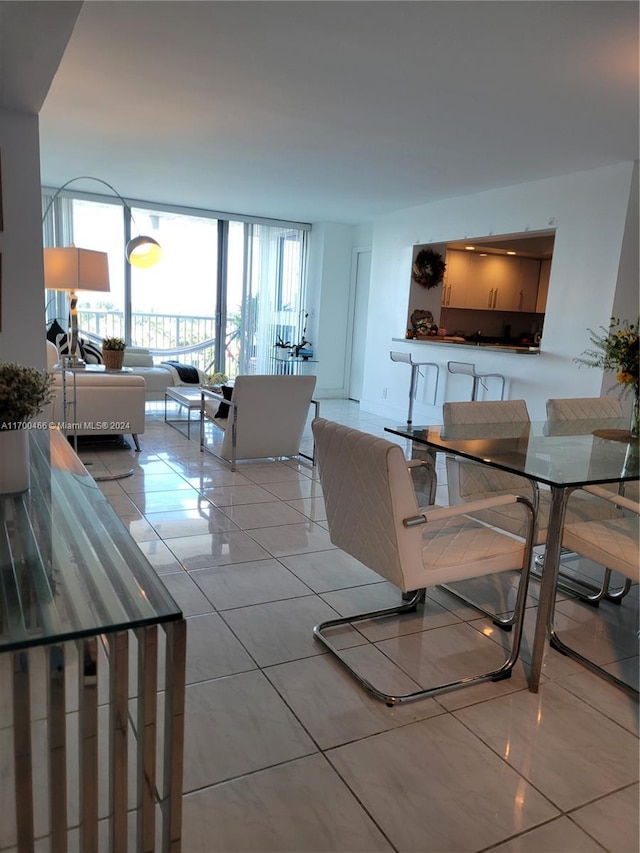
(428, 268)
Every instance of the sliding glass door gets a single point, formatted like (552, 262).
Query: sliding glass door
(222, 294)
(174, 303)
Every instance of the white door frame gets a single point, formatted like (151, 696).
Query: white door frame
(351, 318)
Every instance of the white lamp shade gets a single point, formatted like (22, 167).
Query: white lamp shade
(76, 269)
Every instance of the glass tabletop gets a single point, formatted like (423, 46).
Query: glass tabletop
(567, 453)
(68, 566)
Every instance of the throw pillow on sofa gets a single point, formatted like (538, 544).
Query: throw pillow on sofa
(54, 330)
(91, 353)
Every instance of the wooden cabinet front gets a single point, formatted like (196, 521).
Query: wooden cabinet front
(490, 282)
(456, 280)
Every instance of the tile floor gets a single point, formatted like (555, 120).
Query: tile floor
(284, 752)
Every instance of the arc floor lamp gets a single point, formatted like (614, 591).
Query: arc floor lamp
(72, 269)
(141, 251)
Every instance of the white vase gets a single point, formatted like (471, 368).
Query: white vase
(14, 461)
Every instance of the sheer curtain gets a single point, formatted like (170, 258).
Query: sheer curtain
(274, 293)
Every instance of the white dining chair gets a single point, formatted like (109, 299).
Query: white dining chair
(468, 480)
(614, 543)
(373, 515)
(585, 415)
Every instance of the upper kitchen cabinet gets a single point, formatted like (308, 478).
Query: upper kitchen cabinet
(499, 274)
(456, 280)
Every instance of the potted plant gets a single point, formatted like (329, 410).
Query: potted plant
(24, 392)
(113, 353)
(216, 380)
(617, 349)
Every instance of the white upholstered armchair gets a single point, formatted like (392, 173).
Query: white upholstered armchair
(265, 417)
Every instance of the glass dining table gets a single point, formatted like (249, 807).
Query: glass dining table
(564, 456)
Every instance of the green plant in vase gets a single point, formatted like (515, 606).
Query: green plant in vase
(113, 344)
(216, 379)
(24, 392)
(616, 349)
(113, 353)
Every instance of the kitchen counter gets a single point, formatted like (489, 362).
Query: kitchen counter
(460, 342)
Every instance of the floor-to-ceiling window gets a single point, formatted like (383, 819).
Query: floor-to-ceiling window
(99, 226)
(221, 294)
(174, 303)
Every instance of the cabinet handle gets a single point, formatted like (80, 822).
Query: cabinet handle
(490, 298)
(521, 303)
(448, 301)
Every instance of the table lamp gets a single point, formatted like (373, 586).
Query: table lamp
(74, 269)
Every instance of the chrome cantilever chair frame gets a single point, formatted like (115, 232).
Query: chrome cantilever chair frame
(407, 358)
(380, 535)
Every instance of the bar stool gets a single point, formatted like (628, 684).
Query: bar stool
(467, 369)
(406, 358)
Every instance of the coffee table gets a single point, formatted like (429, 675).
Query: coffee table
(187, 397)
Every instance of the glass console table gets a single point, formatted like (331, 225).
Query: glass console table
(84, 623)
(293, 364)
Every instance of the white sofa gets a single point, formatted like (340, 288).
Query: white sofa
(158, 377)
(105, 403)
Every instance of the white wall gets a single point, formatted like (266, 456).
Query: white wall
(591, 276)
(627, 298)
(329, 282)
(22, 324)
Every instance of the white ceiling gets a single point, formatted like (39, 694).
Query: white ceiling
(338, 111)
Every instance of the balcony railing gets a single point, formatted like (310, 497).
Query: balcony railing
(191, 339)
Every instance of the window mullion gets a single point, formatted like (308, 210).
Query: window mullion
(221, 294)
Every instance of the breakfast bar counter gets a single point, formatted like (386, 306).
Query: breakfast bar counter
(461, 343)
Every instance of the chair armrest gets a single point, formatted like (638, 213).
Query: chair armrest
(213, 395)
(205, 394)
(440, 513)
(612, 497)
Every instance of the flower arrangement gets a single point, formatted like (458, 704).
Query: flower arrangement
(428, 268)
(302, 345)
(113, 344)
(616, 348)
(24, 392)
(217, 378)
